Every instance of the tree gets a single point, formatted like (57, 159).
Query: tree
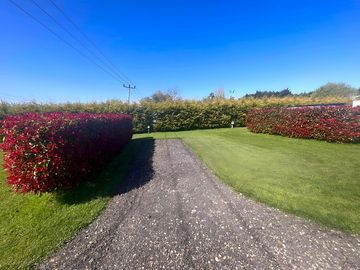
(284, 93)
(335, 89)
(261, 94)
(160, 96)
(219, 93)
(211, 96)
(174, 93)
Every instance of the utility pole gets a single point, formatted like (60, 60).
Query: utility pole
(129, 87)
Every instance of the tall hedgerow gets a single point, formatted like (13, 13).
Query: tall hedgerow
(329, 123)
(46, 151)
(173, 115)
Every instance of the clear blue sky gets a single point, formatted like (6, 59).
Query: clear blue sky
(193, 46)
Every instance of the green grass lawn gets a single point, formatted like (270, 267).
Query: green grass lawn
(312, 179)
(33, 226)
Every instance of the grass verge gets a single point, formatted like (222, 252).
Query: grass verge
(33, 226)
(308, 178)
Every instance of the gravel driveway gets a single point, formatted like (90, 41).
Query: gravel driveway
(173, 213)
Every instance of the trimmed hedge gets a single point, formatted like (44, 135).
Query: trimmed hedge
(330, 123)
(173, 115)
(47, 151)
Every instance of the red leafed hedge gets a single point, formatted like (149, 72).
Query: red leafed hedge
(43, 152)
(330, 123)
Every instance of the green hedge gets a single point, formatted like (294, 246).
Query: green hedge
(194, 115)
(172, 115)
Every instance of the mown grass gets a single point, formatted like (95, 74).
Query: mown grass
(33, 226)
(311, 179)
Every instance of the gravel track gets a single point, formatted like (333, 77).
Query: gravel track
(173, 213)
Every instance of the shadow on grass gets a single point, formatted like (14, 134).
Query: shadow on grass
(131, 169)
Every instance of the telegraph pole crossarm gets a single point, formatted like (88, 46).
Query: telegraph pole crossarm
(130, 88)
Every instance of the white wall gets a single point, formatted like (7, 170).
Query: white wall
(356, 103)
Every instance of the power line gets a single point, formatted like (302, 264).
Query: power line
(62, 39)
(89, 40)
(78, 40)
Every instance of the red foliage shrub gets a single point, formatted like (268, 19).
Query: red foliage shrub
(330, 123)
(43, 152)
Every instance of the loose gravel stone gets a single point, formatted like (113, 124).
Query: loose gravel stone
(173, 213)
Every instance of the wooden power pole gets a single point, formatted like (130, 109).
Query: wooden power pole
(129, 87)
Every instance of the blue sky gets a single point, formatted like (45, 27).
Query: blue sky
(193, 46)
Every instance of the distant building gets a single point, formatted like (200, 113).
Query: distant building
(356, 101)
